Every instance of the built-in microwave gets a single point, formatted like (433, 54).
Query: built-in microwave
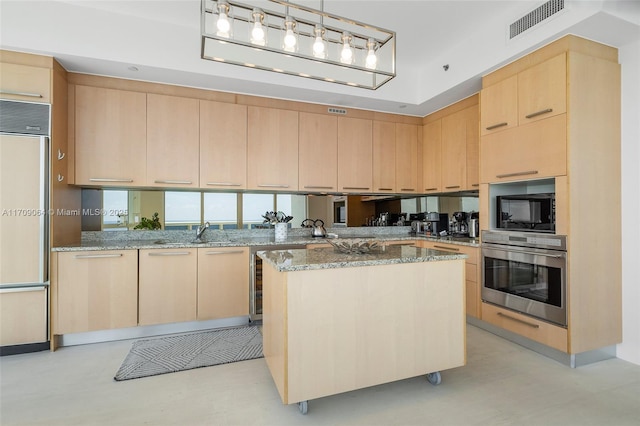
(526, 212)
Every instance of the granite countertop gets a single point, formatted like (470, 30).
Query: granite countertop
(329, 258)
(178, 239)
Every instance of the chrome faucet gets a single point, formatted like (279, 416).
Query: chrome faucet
(201, 229)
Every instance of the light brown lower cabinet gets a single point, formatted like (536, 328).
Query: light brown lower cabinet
(223, 282)
(94, 290)
(23, 316)
(167, 285)
(473, 280)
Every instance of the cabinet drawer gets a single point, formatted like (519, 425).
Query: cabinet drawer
(25, 83)
(472, 252)
(531, 328)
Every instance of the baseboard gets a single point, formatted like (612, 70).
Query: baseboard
(74, 339)
(570, 360)
(24, 349)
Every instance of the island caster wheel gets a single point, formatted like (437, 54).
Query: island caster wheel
(434, 378)
(303, 406)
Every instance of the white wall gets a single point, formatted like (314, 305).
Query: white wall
(629, 57)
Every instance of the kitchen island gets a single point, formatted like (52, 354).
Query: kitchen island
(335, 322)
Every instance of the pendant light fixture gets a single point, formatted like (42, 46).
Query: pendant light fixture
(290, 38)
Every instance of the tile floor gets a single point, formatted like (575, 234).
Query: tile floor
(502, 384)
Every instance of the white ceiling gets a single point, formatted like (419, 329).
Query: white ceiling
(162, 39)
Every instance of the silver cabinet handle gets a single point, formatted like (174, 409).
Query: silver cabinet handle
(447, 248)
(528, 172)
(388, 189)
(21, 289)
(318, 187)
(224, 184)
(272, 185)
(171, 253)
(475, 184)
(96, 256)
(356, 187)
(495, 126)
(176, 182)
(224, 252)
(431, 189)
(11, 92)
(407, 189)
(60, 177)
(109, 180)
(518, 320)
(537, 113)
(452, 187)
(60, 154)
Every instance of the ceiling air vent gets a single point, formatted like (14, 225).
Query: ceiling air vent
(535, 17)
(337, 111)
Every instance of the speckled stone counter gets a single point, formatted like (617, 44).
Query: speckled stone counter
(330, 258)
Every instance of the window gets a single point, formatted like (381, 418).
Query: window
(254, 206)
(115, 206)
(181, 210)
(221, 210)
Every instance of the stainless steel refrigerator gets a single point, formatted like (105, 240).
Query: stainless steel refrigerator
(24, 226)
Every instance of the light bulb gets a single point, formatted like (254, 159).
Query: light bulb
(223, 25)
(319, 47)
(371, 59)
(346, 54)
(257, 33)
(290, 40)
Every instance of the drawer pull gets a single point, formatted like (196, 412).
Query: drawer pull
(475, 184)
(272, 185)
(495, 126)
(61, 154)
(431, 189)
(225, 252)
(224, 184)
(172, 253)
(452, 187)
(407, 189)
(356, 188)
(11, 92)
(109, 180)
(60, 177)
(96, 256)
(518, 320)
(174, 182)
(447, 248)
(528, 172)
(388, 189)
(317, 187)
(535, 114)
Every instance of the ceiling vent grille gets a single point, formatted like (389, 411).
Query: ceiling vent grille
(535, 17)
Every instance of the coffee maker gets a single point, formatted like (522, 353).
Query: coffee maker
(459, 225)
(437, 223)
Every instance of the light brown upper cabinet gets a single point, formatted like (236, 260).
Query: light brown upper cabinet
(499, 106)
(542, 90)
(223, 145)
(460, 150)
(355, 162)
(25, 83)
(110, 137)
(384, 157)
(318, 152)
(407, 158)
(172, 141)
(431, 157)
(473, 147)
(272, 143)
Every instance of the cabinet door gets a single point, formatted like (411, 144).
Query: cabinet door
(432, 157)
(318, 152)
(454, 152)
(407, 158)
(355, 154)
(473, 147)
(536, 150)
(168, 286)
(542, 90)
(96, 290)
(499, 106)
(172, 141)
(25, 83)
(273, 149)
(384, 157)
(223, 282)
(23, 316)
(223, 145)
(111, 137)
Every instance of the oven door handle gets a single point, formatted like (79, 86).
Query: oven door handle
(555, 256)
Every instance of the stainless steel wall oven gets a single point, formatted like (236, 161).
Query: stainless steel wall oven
(526, 272)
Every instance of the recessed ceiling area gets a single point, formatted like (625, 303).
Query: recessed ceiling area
(161, 38)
